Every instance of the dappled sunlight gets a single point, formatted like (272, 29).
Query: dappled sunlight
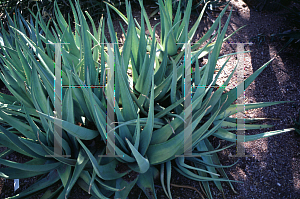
(239, 174)
(279, 69)
(296, 174)
(258, 149)
(244, 12)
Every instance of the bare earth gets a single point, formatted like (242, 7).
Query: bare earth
(274, 171)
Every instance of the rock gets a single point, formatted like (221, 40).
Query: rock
(278, 184)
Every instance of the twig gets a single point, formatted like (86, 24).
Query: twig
(188, 187)
(199, 181)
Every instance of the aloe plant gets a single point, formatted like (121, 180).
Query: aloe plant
(293, 34)
(149, 105)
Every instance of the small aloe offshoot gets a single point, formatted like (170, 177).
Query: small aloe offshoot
(149, 105)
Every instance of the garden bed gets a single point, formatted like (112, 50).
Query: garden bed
(274, 171)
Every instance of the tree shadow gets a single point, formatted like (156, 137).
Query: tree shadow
(273, 171)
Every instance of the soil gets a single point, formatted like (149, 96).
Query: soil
(274, 169)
